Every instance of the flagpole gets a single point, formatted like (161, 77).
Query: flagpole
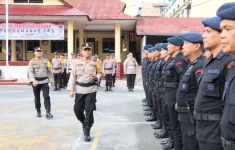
(7, 48)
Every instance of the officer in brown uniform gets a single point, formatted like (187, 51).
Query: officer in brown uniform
(39, 76)
(108, 71)
(227, 24)
(82, 84)
(63, 61)
(130, 70)
(57, 69)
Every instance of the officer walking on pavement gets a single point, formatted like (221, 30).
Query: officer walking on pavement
(82, 84)
(188, 87)
(208, 107)
(108, 71)
(40, 75)
(227, 24)
(57, 69)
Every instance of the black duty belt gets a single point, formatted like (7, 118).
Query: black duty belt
(206, 117)
(228, 145)
(182, 109)
(56, 68)
(108, 68)
(40, 78)
(171, 84)
(86, 84)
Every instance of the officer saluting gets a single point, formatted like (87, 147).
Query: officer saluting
(40, 75)
(187, 90)
(82, 84)
(208, 107)
(227, 24)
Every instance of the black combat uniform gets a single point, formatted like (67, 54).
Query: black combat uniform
(154, 115)
(209, 105)
(228, 119)
(185, 98)
(174, 71)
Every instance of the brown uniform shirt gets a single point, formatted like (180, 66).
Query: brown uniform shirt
(38, 69)
(82, 72)
(130, 66)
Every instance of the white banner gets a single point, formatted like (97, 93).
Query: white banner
(32, 31)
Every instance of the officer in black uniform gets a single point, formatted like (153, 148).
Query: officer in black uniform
(174, 71)
(208, 107)
(157, 93)
(164, 115)
(145, 63)
(149, 85)
(188, 88)
(226, 12)
(156, 58)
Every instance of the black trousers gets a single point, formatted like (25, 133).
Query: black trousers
(64, 78)
(130, 78)
(175, 127)
(45, 91)
(84, 107)
(57, 80)
(189, 136)
(108, 78)
(145, 87)
(210, 146)
(114, 78)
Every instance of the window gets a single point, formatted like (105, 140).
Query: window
(59, 46)
(31, 45)
(28, 1)
(108, 45)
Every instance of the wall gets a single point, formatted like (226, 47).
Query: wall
(10, 72)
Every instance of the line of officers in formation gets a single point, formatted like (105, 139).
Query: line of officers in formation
(191, 95)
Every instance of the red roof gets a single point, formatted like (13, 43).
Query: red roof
(47, 10)
(167, 26)
(101, 9)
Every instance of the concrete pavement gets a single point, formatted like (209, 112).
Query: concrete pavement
(119, 122)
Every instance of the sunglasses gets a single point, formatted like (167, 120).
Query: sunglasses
(38, 50)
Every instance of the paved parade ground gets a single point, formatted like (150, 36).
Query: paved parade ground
(119, 122)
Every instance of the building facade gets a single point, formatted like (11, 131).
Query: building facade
(194, 8)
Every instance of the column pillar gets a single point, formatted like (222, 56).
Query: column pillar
(13, 50)
(143, 43)
(70, 37)
(24, 51)
(81, 38)
(119, 71)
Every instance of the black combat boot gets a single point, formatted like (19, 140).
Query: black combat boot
(39, 113)
(110, 89)
(157, 125)
(87, 137)
(48, 114)
(106, 89)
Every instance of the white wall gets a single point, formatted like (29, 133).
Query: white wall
(14, 72)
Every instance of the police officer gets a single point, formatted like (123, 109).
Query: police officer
(227, 24)
(57, 70)
(208, 105)
(129, 66)
(40, 75)
(115, 69)
(145, 63)
(149, 85)
(108, 71)
(82, 84)
(63, 61)
(70, 64)
(173, 73)
(188, 87)
(164, 132)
